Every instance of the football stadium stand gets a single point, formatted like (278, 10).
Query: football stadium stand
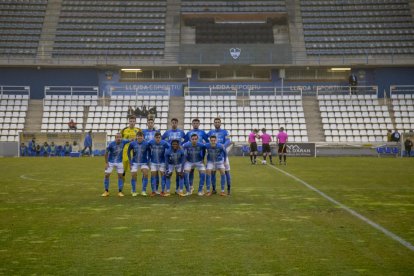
(21, 26)
(270, 112)
(403, 108)
(115, 28)
(357, 27)
(13, 108)
(94, 61)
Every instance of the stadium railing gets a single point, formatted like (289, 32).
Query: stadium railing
(347, 90)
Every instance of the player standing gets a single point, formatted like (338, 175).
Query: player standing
(174, 134)
(253, 145)
(202, 138)
(201, 134)
(113, 158)
(194, 153)
(282, 139)
(138, 154)
(149, 133)
(130, 133)
(157, 158)
(174, 161)
(222, 137)
(216, 158)
(266, 139)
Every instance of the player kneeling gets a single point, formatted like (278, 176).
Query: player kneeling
(216, 155)
(174, 159)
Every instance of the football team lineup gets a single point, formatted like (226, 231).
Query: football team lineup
(158, 156)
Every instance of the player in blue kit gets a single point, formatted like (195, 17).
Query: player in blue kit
(223, 138)
(216, 157)
(202, 138)
(113, 159)
(149, 133)
(174, 134)
(157, 158)
(138, 154)
(201, 134)
(174, 161)
(194, 153)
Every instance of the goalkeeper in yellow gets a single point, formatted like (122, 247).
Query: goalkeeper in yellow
(130, 133)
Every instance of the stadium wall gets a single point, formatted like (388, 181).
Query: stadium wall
(385, 77)
(38, 78)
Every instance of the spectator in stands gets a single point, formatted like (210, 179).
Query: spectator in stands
(67, 149)
(72, 125)
(389, 135)
(130, 111)
(138, 112)
(152, 112)
(45, 150)
(87, 143)
(395, 137)
(353, 82)
(408, 144)
(32, 147)
(23, 150)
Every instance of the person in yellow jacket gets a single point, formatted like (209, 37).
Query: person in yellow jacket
(130, 133)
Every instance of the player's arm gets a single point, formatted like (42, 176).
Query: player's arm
(225, 153)
(130, 149)
(106, 159)
(205, 137)
(182, 138)
(148, 153)
(167, 146)
(227, 141)
(164, 136)
(123, 132)
(183, 161)
(203, 152)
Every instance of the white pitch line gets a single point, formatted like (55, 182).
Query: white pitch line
(349, 210)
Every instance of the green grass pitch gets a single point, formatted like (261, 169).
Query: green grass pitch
(54, 222)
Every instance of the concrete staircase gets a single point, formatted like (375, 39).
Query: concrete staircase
(177, 110)
(34, 116)
(313, 119)
(296, 30)
(48, 35)
(172, 31)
